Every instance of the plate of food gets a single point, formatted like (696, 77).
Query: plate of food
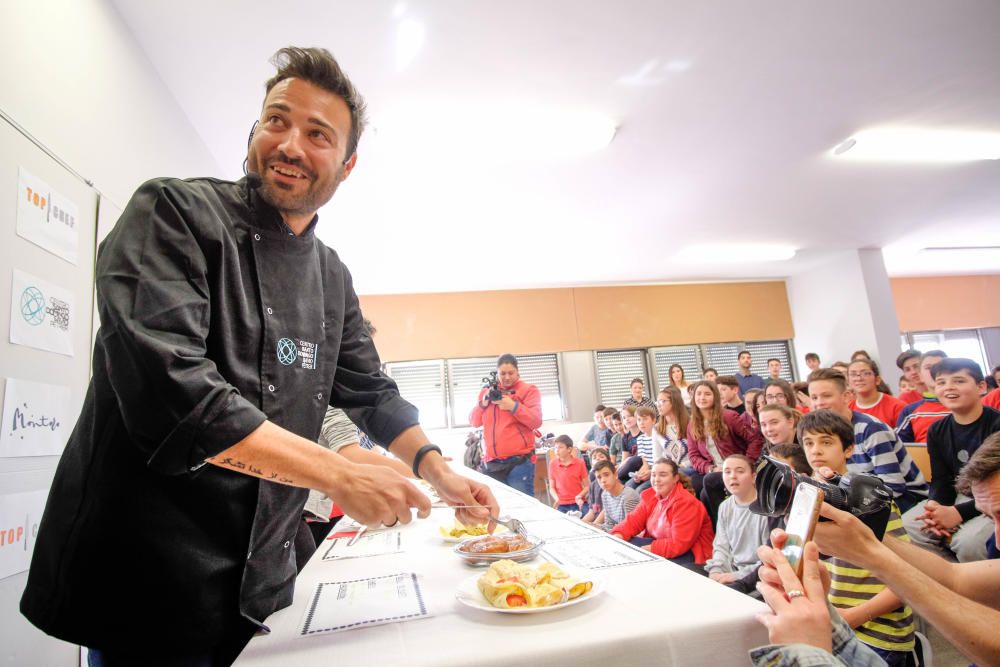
(515, 588)
(457, 531)
(482, 551)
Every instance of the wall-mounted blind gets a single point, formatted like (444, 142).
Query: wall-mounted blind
(542, 370)
(687, 356)
(422, 383)
(775, 349)
(722, 357)
(615, 371)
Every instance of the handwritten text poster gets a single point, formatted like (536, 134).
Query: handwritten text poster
(20, 514)
(42, 314)
(46, 218)
(36, 419)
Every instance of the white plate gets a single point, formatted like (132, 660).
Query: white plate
(453, 540)
(468, 593)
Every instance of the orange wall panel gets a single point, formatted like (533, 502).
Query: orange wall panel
(469, 324)
(466, 324)
(947, 302)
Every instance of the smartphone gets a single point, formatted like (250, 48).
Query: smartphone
(802, 520)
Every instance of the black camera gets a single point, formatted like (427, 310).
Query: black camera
(495, 393)
(863, 495)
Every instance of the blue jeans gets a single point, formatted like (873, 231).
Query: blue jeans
(522, 478)
(573, 507)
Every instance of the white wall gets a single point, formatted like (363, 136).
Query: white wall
(844, 303)
(74, 78)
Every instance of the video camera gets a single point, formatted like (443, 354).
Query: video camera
(863, 495)
(495, 393)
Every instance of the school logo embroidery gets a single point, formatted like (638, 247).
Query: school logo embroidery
(287, 351)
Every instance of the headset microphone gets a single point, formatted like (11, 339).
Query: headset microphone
(254, 180)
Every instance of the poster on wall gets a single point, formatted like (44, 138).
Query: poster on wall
(45, 217)
(19, 517)
(36, 419)
(42, 315)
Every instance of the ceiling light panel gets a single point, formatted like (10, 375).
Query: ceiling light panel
(918, 145)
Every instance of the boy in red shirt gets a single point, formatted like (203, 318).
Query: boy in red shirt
(567, 477)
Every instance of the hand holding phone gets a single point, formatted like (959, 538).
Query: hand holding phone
(802, 520)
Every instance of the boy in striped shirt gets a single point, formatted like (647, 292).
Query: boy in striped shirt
(878, 616)
(876, 449)
(646, 418)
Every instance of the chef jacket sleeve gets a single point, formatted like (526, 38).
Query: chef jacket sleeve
(368, 396)
(154, 303)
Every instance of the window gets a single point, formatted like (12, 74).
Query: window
(465, 380)
(965, 343)
(542, 370)
(422, 384)
(615, 371)
(761, 352)
(722, 357)
(685, 355)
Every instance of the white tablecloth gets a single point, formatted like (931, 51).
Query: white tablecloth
(653, 613)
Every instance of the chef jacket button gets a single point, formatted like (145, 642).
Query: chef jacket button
(287, 544)
(250, 553)
(256, 237)
(269, 311)
(319, 396)
(270, 387)
(322, 325)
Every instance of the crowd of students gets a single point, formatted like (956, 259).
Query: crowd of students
(676, 475)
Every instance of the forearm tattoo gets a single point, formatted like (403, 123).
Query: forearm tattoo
(250, 469)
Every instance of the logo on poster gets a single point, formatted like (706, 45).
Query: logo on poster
(33, 306)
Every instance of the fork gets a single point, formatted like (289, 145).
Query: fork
(510, 523)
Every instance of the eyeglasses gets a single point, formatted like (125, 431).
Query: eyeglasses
(860, 374)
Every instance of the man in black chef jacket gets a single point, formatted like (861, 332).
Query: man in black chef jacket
(227, 328)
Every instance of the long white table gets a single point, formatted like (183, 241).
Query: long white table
(651, 613)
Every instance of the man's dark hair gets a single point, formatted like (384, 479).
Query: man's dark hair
(906, 356)
(812, 355)
(600, 408)
(607, 412)
(603, 465)
(934, 353)
(742, 352)
(728, 380)
(565, 440)
(639, 380)
(955, 365)
(829, 374)
(774, 359)
(827, 422)
(320, 68)
(506, 359)
(709, 370)
(795, 454)
(981, 466)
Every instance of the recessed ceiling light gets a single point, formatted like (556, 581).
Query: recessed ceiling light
(919, 145)
(736, 252)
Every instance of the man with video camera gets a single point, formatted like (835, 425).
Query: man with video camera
(509, 411)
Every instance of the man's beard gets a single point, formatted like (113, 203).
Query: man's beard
(306, 203)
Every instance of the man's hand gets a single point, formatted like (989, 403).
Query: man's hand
(641, 476)
(803, 399)
(506, 403)
(844, 536)
(457, 490)
(803, 616)
(940, 520)
(374, 494)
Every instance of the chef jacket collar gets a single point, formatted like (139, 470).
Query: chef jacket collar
(268, 217)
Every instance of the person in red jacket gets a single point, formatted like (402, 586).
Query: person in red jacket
(713, 434)
(509, 425)
(669, 520)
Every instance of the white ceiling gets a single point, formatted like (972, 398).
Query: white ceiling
(725, 138)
